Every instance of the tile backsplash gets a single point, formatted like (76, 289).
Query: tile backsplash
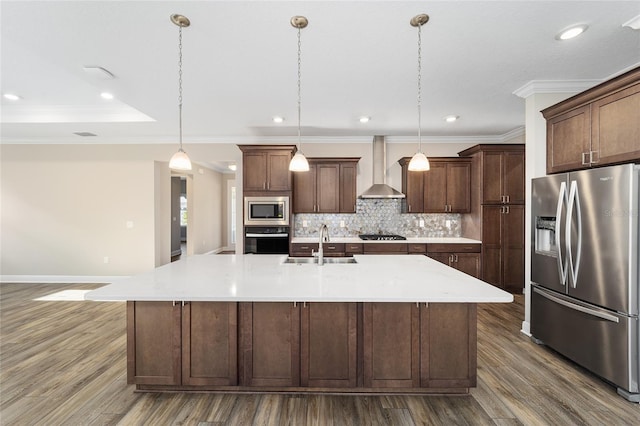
(378, 216)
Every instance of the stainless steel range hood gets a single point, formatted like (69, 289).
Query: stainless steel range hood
(380, 189)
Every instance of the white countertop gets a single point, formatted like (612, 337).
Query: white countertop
(410, 240)
(264, 278)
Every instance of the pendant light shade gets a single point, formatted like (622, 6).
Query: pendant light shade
(419, 162)
(299, 162)
(180, 160)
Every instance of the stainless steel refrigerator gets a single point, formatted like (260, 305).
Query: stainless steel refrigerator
(584, 271)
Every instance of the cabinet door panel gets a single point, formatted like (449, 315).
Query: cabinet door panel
(414, 191)
(568, 137)
(469, 263)
(391, 344)
(254, 167)
(279, 174)
(327, 181)
(513, 249)
(448, 345)
(458, 187)
(492, 244)
(153, 343)
(441, 257)
(514, 177)
(348, 176)
(492, 177)
(209, 345)
(328, 345)
(270, 344)
(304, 191)
(615, 130)
(435, 188)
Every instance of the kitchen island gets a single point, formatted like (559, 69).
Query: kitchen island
(386, 323)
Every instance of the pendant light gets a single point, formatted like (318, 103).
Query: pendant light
(419, 161)
(299, 162)
(180, 160)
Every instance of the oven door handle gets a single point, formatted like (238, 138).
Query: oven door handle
(253, 235)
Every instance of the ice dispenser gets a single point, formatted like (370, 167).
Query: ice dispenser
(545, 236)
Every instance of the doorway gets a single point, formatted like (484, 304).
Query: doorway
(179, 217)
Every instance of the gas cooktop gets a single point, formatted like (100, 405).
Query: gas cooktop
(381, 237)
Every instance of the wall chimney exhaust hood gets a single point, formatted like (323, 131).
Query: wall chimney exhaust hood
(380, 189)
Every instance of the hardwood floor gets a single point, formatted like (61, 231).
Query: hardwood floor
(63, 363)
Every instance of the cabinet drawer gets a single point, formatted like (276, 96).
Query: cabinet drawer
(333, 249)
(353, 248)
(453, 248)
(303, 249)
(385, 248)
(417, 248)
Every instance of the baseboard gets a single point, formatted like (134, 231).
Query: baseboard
(526, 328)
(61, 279)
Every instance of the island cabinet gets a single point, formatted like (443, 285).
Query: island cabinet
(463, 257)
(445, 188)
(328, 187)
(265, 168)
(408, 345)
(298, 344)
(182, 344)
(598, 127)
(308, 249)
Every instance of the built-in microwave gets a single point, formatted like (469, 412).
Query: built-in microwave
(266, 211)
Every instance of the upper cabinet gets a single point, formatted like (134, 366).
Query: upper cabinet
(328, 187)
(598, 127)
(445, 188)
(265, 168)
(501, 172)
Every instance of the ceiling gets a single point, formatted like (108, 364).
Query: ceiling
(240, 59)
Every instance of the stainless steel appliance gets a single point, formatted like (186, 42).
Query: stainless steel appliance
(266, 240)
(584, 271)
(266, 211)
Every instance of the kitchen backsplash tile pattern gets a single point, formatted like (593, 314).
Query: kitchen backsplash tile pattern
(378, 216)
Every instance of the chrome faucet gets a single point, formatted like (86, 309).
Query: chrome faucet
(323, 236)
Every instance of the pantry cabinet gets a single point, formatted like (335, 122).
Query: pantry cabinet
(598, 127)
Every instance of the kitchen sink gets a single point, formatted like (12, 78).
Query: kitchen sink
(314, 260)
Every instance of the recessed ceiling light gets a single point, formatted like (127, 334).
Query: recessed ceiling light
(12, 97)
(364, 119)
(451, 118)
(278, 119)
(106, 95)
(571, 32)
(233, 167)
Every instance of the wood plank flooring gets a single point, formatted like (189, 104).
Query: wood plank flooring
(63, 363)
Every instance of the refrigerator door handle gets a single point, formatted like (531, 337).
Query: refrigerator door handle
(562, 264)
(579, 308)
(574, 200)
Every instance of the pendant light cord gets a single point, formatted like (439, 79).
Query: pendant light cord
(180, 82)
(419, 88)
(299, 102)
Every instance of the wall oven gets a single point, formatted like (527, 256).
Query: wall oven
(266, 239)
(266, 211)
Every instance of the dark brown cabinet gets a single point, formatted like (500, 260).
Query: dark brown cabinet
(328, 187)
(442, 189)
(503, 246)
(270, 342)
(597, 127)
(385, 248)
(498, 212)
(463, 257)
(265, 168)
(189, 344)
(429, 345)
(307, 249)
(329, 345)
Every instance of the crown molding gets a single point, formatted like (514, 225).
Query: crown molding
(554, 86)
